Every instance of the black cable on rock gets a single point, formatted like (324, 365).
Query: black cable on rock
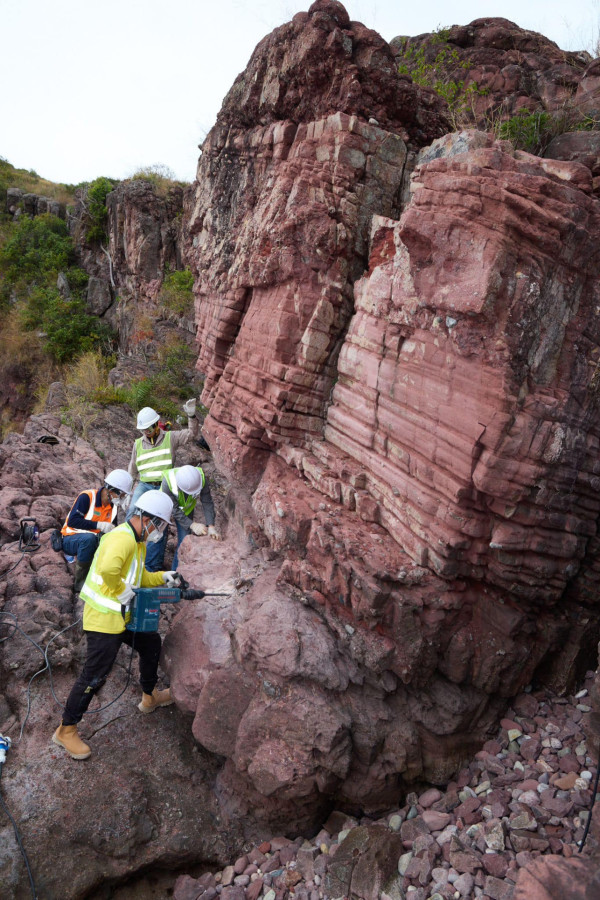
(593, 801)
(19, 841)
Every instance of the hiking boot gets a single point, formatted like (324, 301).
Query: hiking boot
(152, 701)
(66, 736)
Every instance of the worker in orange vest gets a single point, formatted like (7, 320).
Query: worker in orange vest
(94, 513)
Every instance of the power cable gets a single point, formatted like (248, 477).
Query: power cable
(592, 803)
(48, 666)
(4, 746)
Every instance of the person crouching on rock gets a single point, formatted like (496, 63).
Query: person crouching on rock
(93, 513)
(116, 569)
(184, 485)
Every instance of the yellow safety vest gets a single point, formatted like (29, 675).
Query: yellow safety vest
(153, 462)
(117, 565)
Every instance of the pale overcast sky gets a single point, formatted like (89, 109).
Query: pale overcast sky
(104, 88)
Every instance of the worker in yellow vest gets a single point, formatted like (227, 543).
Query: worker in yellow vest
(184, 486)
(154, 453)
(93, 514)
(118, 568)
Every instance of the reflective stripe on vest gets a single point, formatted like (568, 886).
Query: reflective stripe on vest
(133, 578)
(186, 503)
(152, 463)
(94, 514)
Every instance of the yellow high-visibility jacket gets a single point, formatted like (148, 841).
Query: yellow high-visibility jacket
(118, 562)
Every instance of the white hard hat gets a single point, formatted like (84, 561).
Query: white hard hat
(119, 479)
(156, 503)
(146, 417)
(189, 480)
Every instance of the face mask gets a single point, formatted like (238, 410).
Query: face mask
(156, 535)
(124, 502)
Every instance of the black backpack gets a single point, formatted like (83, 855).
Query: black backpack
(56, 540)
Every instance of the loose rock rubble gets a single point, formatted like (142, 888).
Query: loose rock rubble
(526, 793)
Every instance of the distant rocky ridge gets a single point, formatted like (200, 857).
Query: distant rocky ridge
(19, 202)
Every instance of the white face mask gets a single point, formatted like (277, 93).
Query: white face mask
(124, 502)
(155, 536)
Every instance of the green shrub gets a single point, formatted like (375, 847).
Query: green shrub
(436, 74)
(68, 330)
(96, 213)
(533, 131)
(34, 252)
(530, 131)
(176, 294)
(161, 177)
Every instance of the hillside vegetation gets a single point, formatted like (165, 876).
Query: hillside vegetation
(46, 331)
(29, 181)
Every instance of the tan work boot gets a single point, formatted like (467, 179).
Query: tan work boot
(152, 701)
(66, 736)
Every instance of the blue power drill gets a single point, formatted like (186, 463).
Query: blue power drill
(145, 606)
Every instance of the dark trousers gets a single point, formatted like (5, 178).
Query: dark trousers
(102, 651)
(83, 546)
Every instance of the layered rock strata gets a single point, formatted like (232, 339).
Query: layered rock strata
(309, 145)
(437, 510)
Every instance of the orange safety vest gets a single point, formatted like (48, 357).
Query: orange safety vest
(94, 514)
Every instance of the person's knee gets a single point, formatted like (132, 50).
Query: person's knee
(94, 685)
(87, 546)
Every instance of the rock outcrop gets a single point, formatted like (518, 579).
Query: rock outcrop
(403, 378)
(146, 798)
(19, 202)
(399, 334)
(507, 827)
(503, 68)
(144, 241)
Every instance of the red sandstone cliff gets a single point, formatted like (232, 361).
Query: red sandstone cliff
(403, 381)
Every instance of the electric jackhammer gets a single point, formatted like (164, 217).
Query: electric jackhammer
(145, 606)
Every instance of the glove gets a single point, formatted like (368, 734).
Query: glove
(189, 408)
(104, 527)
(198, 529)
(127, 595)
(213, 533)
(170, 578)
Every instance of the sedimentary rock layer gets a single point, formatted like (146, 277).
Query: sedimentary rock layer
(402, 379)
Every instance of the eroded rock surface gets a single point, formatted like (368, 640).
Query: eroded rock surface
(302, 156)
(507, 828)
(146, 797)
(503, 67)
(437, 508)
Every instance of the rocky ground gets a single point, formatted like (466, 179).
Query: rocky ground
(525, 795)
